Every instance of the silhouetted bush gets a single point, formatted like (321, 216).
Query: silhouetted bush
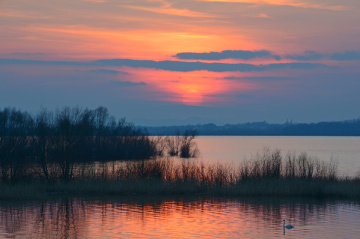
(71, 136)
(14, 155)
(182, 145)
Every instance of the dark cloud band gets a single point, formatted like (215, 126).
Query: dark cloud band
(198, 66)
(171, 65)
(228, 54)
(314, 56)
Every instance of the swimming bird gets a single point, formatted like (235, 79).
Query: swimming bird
(288, 226)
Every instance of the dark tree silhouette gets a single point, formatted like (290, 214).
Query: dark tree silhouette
(55, 142)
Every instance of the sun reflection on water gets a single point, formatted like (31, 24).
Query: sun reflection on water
(190, 217)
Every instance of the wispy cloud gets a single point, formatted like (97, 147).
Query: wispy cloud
(127, 83)
(259, 78)
(346, 56)
(179, 66)
(228, 54)
(173, 11)
(262, 15)
(306, 56)
(198, 66)
(20, 14)
(95, 1)
(338, 56)
(292, 3)
(107, 71)
(42, 62)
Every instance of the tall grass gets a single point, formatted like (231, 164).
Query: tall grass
(267, 165)
(267, 174)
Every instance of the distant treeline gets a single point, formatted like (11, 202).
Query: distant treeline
(57, 141)
(342, 128)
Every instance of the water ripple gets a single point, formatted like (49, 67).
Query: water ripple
(179, 218)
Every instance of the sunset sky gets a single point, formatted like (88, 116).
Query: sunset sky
(165, 62)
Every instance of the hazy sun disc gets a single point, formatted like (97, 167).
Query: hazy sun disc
(192, 97)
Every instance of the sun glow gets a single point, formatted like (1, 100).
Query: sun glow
(190, 88)
(192, 97)
(93, 43)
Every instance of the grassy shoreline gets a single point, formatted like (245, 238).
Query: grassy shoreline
(271, 187)
(269, 174)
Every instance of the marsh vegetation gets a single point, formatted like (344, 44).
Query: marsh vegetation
(82, 152)
(269, 174)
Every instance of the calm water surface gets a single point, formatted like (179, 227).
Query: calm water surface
(346, 150)
(179, 218)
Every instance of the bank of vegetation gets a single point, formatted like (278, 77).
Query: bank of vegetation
(50, 146)
(269, 174)
(82, 152)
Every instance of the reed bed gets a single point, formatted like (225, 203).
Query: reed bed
(267, 174)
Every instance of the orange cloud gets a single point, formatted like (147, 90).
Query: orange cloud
(263, 15)
(293, 3)
(93, 43)
(95, 1)
(174, 11)
(18, 14)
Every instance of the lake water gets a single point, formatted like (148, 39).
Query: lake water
(179, 218)
(232, 149)
(200, 217)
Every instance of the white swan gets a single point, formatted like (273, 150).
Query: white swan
(288, 226)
